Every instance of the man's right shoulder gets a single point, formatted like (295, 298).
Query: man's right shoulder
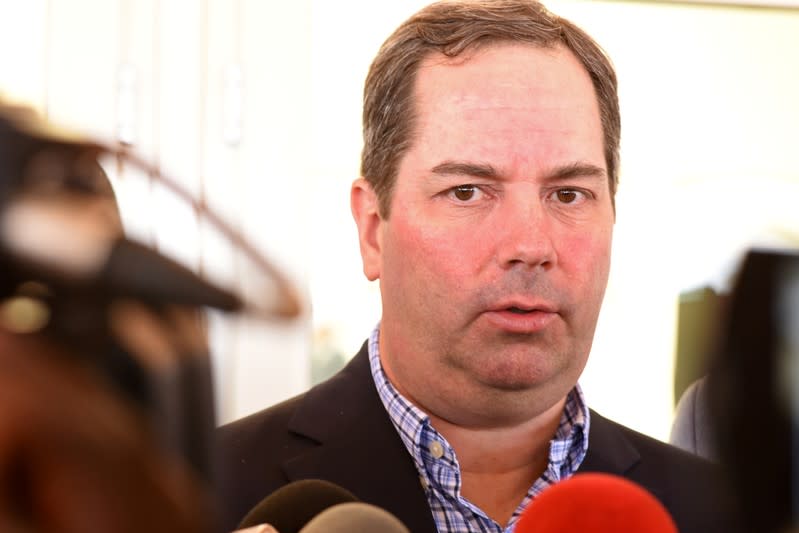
(248, 459)
(259, 424)
(253, 456)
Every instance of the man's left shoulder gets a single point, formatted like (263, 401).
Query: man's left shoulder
(694, 490)
(615, 448)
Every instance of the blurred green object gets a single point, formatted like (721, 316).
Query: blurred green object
(698, 321)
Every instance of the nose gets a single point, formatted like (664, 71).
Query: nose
(524, 234)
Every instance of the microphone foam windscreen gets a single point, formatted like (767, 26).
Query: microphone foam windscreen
(292, 506)
(596, 503)
(356, 516)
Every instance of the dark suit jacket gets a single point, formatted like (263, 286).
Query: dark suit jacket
(339, 431)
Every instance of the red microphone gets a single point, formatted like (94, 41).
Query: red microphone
(596, 503)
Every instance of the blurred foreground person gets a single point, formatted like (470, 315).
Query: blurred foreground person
(74, 456)
(105, 399)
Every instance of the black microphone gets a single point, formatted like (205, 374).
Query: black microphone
(355, 516)
(292, 506)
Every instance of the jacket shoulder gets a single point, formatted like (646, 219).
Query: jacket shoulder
(247, 459)
(251, 429)
(693, 489)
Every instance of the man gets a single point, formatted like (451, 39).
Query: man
(485, 210)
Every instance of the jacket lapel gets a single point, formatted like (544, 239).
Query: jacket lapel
(610, 450)
(358, 446)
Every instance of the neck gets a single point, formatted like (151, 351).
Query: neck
(498, 465)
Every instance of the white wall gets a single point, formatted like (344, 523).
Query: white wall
(256, 105)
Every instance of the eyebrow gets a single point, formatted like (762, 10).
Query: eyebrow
(463, 168)
(577, 170)
(484, 170)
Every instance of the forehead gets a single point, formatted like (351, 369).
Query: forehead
(515, 98)
(546, 64)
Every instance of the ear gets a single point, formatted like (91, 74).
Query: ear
(364, 206)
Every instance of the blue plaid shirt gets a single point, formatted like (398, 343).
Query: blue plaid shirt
(439, 471)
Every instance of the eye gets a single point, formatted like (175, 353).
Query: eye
(465, 193)
(569, 196)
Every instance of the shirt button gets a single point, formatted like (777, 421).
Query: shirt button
(436, 449)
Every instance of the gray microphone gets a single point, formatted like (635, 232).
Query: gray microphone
(355, 516)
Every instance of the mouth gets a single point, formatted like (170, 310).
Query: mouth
(524, 308)
(519, 317)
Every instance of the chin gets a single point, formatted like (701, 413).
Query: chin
(514, 381)
(538, 379)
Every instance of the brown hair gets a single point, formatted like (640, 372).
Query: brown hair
(450, 28)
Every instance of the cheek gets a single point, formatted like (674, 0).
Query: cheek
(428, 246)
(431, 250)
(586, 259)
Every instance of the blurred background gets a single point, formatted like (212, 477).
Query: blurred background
(254, 105)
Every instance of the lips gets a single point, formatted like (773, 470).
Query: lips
(523, 306)
(521, 317)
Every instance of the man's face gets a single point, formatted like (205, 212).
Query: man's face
(495, 257)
